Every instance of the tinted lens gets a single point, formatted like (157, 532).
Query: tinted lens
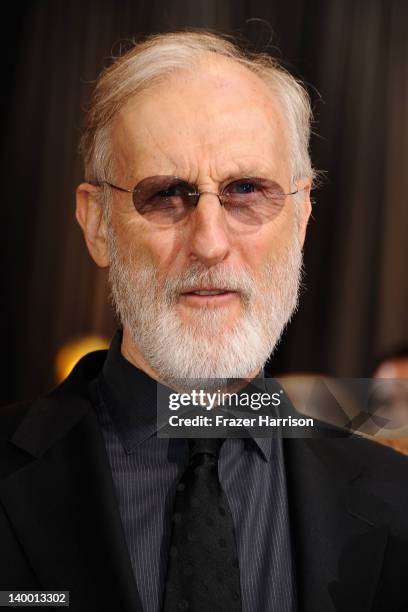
(164, 199)
(253, 201)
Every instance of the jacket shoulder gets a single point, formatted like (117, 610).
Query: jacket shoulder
(381, 470)
(367, 455)
(39, 421)
(11, 416)
(379, 457)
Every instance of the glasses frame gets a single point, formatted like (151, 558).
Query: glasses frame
(196, 194)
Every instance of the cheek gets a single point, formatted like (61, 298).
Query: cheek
(272, 240)
(161, 248)
(130, 242)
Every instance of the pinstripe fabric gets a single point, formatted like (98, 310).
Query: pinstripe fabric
(145, 471)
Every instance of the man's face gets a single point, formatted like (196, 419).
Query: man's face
(208, 129)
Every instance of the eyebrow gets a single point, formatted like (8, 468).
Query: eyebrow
(245, 173)
(237, 177)
(258, 176)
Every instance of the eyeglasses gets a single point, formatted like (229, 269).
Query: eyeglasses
(168, 200)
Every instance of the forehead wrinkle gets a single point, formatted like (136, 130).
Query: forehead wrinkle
(244, 165)
(142, 159)
(200, 137)
(197, 162)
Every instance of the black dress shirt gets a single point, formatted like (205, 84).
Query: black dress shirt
(145, 471)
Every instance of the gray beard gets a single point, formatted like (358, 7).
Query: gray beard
(208, 346)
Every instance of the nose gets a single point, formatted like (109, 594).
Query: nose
(209, 238)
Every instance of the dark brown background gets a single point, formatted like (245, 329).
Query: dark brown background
(353, 52)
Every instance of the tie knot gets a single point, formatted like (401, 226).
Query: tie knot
(210, 446)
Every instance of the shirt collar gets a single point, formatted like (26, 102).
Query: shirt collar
(130, 396)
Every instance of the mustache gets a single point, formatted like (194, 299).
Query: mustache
(223, 277)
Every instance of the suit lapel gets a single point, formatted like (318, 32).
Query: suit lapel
(339, 531)
(63, 509)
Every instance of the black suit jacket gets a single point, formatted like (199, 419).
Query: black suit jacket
(60, 525)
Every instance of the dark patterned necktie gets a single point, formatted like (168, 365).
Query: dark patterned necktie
(203, 570)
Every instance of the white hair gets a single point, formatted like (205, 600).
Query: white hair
(156, 58)
(207, 346)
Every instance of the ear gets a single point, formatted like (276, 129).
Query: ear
(304, 207)
(89, 214)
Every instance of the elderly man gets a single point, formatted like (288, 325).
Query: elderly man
(197, 197)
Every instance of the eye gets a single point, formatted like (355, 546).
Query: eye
(164, 200)
(168, 195)
(243, 187)
(171, 191)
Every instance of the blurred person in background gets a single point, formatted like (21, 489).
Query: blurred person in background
(393, 364)
(389, 403)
